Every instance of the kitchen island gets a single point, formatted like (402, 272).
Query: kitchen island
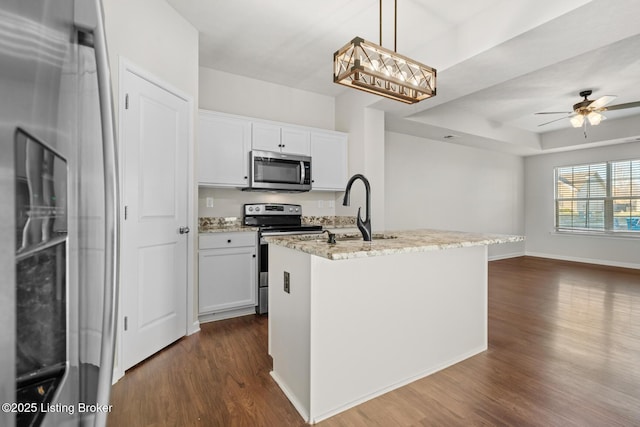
(351, 321)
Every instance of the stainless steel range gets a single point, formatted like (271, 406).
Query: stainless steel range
(273, 220)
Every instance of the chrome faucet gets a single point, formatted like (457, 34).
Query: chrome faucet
(363, 226)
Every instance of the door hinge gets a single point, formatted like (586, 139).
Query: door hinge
(126, 212)
(126, 323)
(126, 101)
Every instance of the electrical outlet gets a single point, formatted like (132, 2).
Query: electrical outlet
(332, 204)
(320, 204)
(287, 282)
(209, 202)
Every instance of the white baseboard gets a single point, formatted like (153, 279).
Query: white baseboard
(505, 256)
(117, 374)
(212, 317)
(584, 260)
(292, 398)
(195, 327)
(401, 383)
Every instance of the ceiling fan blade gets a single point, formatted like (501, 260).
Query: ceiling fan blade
(622, 106)
(556, 120)
(601, 102)
(554, 112)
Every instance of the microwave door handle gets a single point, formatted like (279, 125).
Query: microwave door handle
(302, 175)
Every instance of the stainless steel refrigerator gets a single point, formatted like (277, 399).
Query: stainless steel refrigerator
(58, 215)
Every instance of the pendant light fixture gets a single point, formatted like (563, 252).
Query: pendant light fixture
(370, 67)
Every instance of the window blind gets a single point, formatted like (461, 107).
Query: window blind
(603, 197)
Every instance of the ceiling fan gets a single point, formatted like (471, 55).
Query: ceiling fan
(589, 110)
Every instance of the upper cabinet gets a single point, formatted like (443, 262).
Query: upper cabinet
(224, 143)
(283, 139)
(328, 161)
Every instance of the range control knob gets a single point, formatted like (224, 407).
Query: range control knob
(290, 209)
(297, 209)
(257, 208)
(250, 208)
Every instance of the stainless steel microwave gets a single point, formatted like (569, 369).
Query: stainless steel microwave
(271, 171)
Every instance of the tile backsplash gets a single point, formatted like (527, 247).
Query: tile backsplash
(215, 224)
(228, 202)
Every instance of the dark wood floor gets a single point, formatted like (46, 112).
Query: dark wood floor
(564, 350)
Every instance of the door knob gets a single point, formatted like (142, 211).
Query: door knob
(184, 230)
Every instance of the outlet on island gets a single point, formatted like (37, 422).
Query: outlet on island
(287, 282)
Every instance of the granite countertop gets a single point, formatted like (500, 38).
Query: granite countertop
(222, 225)
(227, 229)
(388, 243)
(215, 224)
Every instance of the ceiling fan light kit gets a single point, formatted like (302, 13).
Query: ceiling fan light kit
(577, 121)
(595, 118)
(367, 66)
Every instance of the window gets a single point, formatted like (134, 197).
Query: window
(603, 197)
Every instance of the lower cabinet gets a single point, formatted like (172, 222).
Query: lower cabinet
(227, 272)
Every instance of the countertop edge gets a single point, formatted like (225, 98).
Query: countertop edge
(409, 241)
(227, 230)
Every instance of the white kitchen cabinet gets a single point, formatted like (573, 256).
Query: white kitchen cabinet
(329, 161)
(224, 143)
(281, 139)
(296, 141)
(227, 272)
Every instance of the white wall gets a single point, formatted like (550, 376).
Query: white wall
(234, 94)
(350, 117)
(153, 36)
(539, 205)
(365, 126)
(433, 184)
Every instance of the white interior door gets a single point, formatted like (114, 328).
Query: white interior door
(155, 137)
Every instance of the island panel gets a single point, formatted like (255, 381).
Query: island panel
(374, 323)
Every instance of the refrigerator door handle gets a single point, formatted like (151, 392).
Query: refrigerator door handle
(111, 217)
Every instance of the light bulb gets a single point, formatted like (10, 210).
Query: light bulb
(576, 121)
(594, 118)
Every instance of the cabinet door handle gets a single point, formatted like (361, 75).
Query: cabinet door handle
(229, 241)
(254, 255)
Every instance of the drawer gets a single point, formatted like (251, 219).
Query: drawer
(227, 240)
